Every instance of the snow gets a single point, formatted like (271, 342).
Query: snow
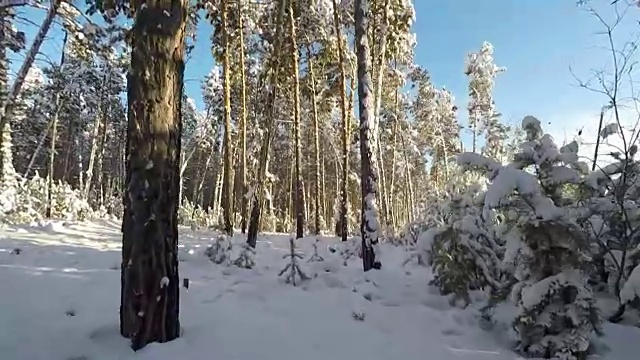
(61, 292)
(532, 126)
(608, 130)
(631, 289)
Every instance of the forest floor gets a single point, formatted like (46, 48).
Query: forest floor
(59, 300)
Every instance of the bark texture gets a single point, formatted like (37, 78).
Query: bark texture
(369, 224)
(150, 282)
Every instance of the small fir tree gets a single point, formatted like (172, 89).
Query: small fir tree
(546, 250)
(292, 273)
(220, 251)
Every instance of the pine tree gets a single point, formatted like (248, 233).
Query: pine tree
(227, 192)
(546, 250)
(342, 225)
(297, 129)
(9, 181)
(13, 40)
(465, 252)
(482, 71)
(150, 283)
(262, 173)
(370, 226)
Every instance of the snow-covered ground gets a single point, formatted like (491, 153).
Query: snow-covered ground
(59, 300)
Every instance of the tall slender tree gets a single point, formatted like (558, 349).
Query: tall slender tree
(258, 193)
(370, 225)
(342, 226)
(299, 190)
(227, 182)
(150, 290)
(316, 144)
(243, 122)
(54, 132)
(6, 107)
(13, 40)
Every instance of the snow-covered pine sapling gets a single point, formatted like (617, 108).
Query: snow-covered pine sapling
(459, 244)
(613, 220)
(315, 257)
(411, 232)
(247, 257)
(420, 251)
(220, 251)
(413, 255)
(292, 273)
(464, 254)
(546, 250)
(614, 215)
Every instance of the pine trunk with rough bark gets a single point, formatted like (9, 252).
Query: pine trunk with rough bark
(368, 177)
(150, 283)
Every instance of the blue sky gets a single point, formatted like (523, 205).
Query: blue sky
(536, 40)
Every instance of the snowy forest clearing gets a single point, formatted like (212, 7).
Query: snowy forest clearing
(61, 291)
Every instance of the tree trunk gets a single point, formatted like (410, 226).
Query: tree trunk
(6, 107)
(323, 189)
(36, 152)
(595, 151)
(299, 191)
(102, 140)
(258, 195)
(368, 177)
(94, 139)
(392, 186)
(52, 152)
(54, 134)
(227, 191)
(71, 148)
(288, 206)
(243, 126)
(381, 62)
(344, 196)
(316, 147)
(150, 283)
(7, 172)
(409, 186)
(217, 156)
(80, 164)
(194, 187)
(199, 198)
(220, 188)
